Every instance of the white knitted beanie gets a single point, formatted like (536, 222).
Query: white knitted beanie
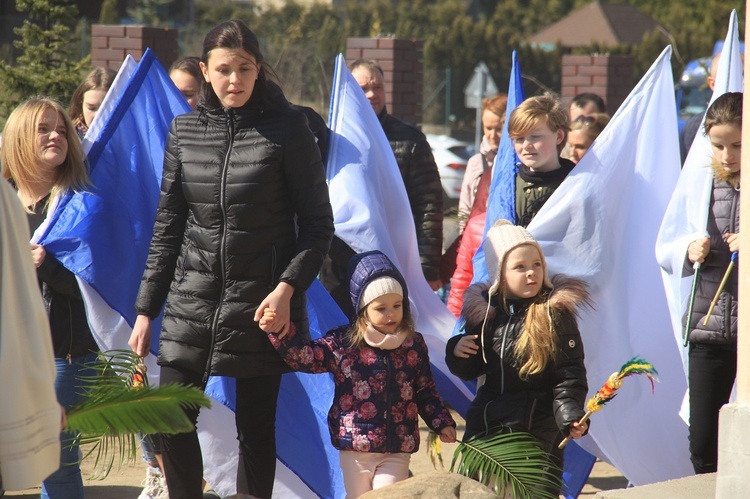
(502, 237)
(379, 287)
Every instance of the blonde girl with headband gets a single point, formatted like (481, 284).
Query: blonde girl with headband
(521, 333)
(382, 375)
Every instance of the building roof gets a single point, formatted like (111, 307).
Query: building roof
(598, 22)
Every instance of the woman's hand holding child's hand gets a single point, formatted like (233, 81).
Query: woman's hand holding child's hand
(448, 435)
(578, 429)
(698, 250)
(466, 346)
(278, 301)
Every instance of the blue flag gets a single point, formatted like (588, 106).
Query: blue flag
(502, 199)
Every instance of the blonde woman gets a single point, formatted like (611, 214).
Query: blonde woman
(583, 131)
(42, 158)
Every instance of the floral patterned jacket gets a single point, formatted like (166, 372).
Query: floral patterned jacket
(378, 392)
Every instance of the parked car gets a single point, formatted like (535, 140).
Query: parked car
(451, 156)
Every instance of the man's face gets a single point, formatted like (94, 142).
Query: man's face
(371, 83)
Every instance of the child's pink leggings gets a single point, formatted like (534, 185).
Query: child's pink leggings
(365, 471)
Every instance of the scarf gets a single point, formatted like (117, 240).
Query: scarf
(376, 339)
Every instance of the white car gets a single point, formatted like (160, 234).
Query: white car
(450, 156)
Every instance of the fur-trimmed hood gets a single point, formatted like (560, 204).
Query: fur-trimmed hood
(568, 293)
(724, 175)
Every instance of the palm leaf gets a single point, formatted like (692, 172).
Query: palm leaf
(512, 464)
(115, 409)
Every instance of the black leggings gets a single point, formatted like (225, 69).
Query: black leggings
(255, 417)
(711, 373)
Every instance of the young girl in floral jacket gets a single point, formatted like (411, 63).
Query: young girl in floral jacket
(382, 375)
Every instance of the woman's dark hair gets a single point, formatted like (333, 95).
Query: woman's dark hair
(190, 65)
(725, 110)
(236, 35)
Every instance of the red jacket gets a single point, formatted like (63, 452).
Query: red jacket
(470, 241)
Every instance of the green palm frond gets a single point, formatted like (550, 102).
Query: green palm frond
(114, 410)
(512, 464)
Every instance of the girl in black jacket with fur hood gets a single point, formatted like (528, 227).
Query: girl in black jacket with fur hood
(522, 336)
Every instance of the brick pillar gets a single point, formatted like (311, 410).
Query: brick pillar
(610, 76)
(401, 61)
(110, 44)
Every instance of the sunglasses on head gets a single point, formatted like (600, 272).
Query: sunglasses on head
(587, 120)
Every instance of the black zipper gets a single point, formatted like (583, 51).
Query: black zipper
(512, 311)
(222, 243)
(502, 366)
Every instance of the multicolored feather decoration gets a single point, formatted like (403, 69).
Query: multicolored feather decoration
(636, 365)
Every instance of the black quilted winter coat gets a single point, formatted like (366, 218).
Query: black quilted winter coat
(423, 187)
(235, 181)
(545, 403)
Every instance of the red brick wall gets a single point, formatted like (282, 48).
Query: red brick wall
(610, 76)
(401, 61)
(110, 44)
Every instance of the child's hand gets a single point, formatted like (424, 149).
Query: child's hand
(278, 301)
(577, 429)
(269, 315)
(466, 346)
(448, 435)
(733, 240)
(698, 250)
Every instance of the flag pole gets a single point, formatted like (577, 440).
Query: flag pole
(696, 276)
(721, 286)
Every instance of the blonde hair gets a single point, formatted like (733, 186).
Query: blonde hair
(356, 333)
(537, 344)
(20, 154)
(592, 125)
(543, 108)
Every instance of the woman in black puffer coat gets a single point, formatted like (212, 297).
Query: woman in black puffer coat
(243, 224)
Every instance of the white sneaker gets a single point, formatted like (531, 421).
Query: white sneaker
(155, 485)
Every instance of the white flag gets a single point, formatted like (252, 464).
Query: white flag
(601, 226)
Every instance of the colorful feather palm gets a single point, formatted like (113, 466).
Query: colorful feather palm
(607, 392)
(636, 365)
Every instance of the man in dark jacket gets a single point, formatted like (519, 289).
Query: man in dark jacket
(417, 166)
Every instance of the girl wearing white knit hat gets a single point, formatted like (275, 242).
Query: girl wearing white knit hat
(521, 334)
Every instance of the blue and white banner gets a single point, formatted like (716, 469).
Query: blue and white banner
(371, 211)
